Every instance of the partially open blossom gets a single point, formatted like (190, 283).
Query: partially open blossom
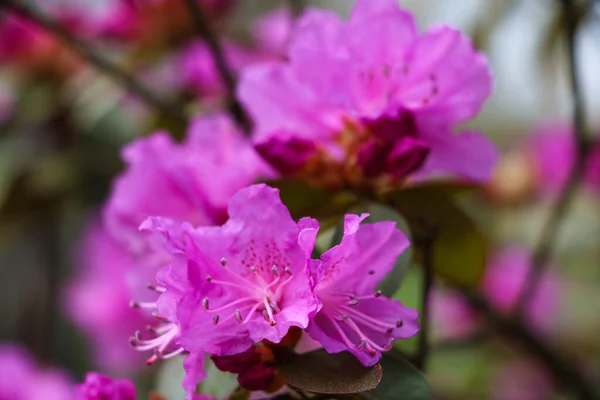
(353, 316)
(101, 387)
(370, 101)
(22, 379)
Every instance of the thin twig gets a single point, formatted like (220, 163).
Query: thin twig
(297, 7)
(564, 370)
(84, 50)
(543, 251)
(423, 347)
(202, 26)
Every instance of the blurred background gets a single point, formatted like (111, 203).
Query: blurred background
(64, 120)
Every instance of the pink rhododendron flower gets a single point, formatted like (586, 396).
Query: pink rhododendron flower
(370, 98)
(189, 182)
(230, 286)
(108, 271)
(22, 379)
(101, 387)
(353, 316)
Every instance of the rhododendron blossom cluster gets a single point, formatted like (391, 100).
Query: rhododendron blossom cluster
(253, 278)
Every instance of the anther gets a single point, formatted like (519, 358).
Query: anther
(158, 289)
(377, 293)
(390, 330)
(134, 304)
(253, 268)
(371, 272)
(274, 270)
(389, 344)
(266, 316)
(208, 278)
(224, 261)
(372, 351)
(238, 315)
(288, 270)
(353, 301)
(138, 336)
(216, 319)
(275, 307)
(399, 323)
(205, 303)
(361, 345)
(133, 341)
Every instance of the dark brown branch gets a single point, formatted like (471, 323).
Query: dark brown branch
(543, 251)
(423, 347)
(169, 109)
(297, 7)
(204, 30)
(564, 370)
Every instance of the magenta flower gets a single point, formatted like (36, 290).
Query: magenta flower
(187, 182)
(353, 316)
(505, 278)
(106, 270)
(272, 32)
(22, 379)
(231, 286)
(101, 387)
(370, 97)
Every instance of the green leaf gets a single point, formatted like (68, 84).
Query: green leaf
(324, 373)
(304, 200)
(459, 250)
(400, 381)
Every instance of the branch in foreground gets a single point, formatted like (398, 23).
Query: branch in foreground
(543, 251)
(202, 26)
(564, 370)
(169, 109)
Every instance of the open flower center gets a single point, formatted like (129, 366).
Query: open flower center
(260, 293)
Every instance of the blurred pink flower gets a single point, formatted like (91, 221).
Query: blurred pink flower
(353, 316)
(382, 96)
(551, 151)
(502, 284)
(198, 73)
(191, 181)
(505, 279)
(101, 387)
(22, 379)
(97, 298)
(522, 380)
(7, 102)
(272, 32)
(452, 318)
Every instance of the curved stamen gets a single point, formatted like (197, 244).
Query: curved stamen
(365, 337)
(362, 317)
(227, 305)
(269, 312)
